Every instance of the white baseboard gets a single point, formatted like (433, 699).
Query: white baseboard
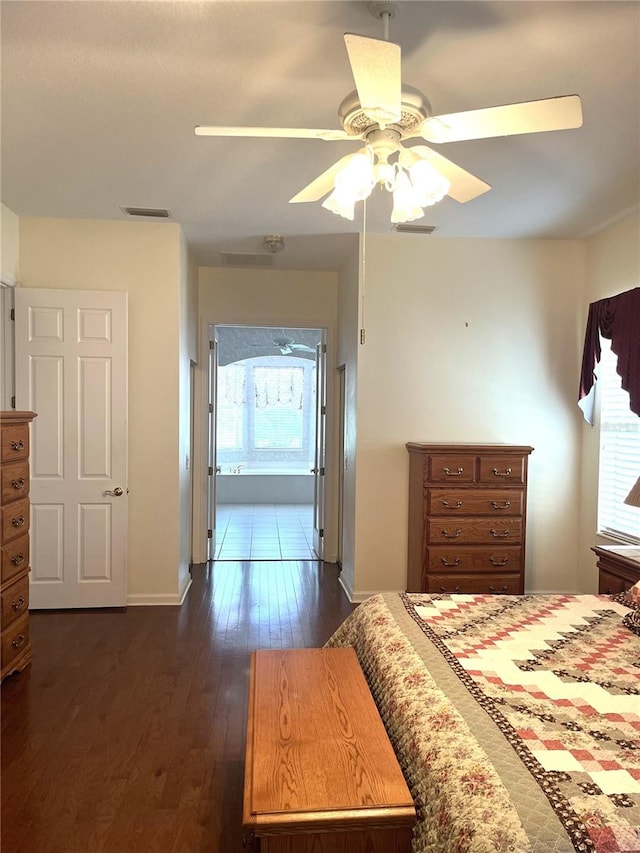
(197, 559)
(158, 599)
(357, 597)
(348, 592)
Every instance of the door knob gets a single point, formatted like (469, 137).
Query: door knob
(116, 492)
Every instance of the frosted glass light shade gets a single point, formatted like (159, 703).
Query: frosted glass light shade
(406, 207)
(341, 204)
(356, 179)
(430, 185)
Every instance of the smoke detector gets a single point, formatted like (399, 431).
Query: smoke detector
(273, 243)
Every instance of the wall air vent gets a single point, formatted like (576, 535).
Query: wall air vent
(409, 228)
(245, 259)
(150, 212)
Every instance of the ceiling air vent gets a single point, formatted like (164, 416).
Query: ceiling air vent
(408, 228)
(151, 212)
(245, 259)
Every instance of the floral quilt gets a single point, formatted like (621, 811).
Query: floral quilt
(516, 719)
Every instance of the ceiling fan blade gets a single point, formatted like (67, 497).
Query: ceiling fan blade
(376, 70)
(302, 347)
(323, 183)
(273, 132)
(561, 113)
(463, 185)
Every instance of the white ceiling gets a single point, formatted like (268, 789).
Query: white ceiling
(99, 102)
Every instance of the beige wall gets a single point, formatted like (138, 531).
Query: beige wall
(262, 297)
(469, 341)
(613, 266)
(143, 259)
(466, 340)
(9, 230)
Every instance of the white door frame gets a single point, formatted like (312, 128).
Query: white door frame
(201, 449)
(320, 440)
(212, 420)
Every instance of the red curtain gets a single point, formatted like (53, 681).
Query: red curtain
(617, 319)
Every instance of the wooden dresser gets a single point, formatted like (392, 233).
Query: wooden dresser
(320, 772)
(618, 567)
(14, 505)
(467, 517)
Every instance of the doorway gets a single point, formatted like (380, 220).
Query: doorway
(264, 435)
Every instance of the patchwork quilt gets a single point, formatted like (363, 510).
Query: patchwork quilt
(516, 719)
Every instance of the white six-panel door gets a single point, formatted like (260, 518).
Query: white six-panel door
(71, 370)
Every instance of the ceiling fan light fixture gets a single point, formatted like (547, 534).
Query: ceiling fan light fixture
(356, 179)
(430, 186)
(385, 174)
(340, 203)
(406, 206)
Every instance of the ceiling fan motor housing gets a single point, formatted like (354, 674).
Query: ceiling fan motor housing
(415, 108)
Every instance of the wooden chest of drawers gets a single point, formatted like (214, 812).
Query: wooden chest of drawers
(467, 517)
(618, 567)
(15, 650)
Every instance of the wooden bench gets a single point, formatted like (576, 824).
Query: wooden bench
(320, 772)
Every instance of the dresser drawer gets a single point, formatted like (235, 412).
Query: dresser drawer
(14, 600)
(480, 531)
(15, 557)
(502, 469)
(15, 640)
(496, 584)
(15, 481)
(481, 558)
(450, 468)
(475, 502)
(14, 443)
(15, 519)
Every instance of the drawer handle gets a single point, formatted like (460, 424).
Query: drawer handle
(456, 505)
(19, 604)
(18, 641)
(450, 473)
(504, 505)
(19, 558)
(502, 562)
(505, 473)
(448, 535)
(17, 445)
(18, 521)
(446, 562)
(502, 535)
(18, 484)
(455, 591)
(496, 592)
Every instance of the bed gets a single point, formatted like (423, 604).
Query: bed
(515, 719)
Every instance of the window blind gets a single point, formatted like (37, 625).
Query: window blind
(619, 466)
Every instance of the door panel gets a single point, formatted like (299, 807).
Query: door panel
(71, 369)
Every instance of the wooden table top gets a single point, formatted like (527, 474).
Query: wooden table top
(316, 747)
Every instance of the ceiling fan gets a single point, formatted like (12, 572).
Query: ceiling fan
(287, 346)
(384, 114)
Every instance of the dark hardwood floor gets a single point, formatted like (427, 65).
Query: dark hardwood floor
(127, 731)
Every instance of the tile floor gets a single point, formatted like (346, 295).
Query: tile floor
(264, 532)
